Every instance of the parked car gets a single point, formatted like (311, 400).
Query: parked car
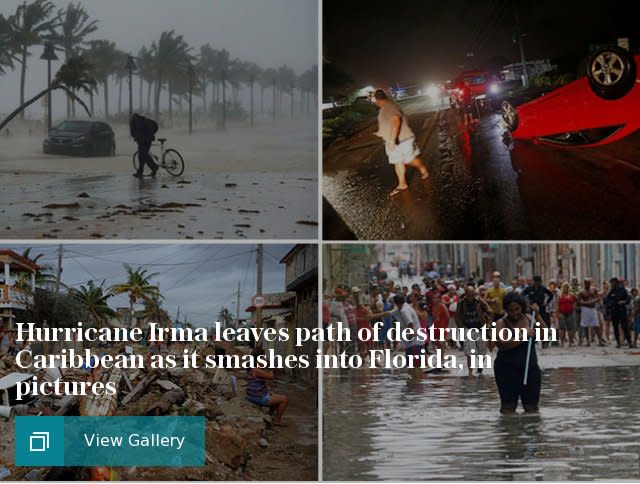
(483, 87)
(597, 109)
(81, 138)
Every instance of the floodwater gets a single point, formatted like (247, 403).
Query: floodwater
(379, 425)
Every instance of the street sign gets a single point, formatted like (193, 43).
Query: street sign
(259, 301)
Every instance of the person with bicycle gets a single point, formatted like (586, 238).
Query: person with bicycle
(143, 131)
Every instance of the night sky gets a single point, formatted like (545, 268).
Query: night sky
(408, 41)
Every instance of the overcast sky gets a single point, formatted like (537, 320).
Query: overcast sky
(268, 32)
(198, 278)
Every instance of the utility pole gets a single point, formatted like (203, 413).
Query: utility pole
(520, 35)
(259, 284)
(238, 307)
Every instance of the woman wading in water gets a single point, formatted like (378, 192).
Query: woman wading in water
(510, 364)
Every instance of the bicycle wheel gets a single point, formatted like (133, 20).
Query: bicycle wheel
(172, 162)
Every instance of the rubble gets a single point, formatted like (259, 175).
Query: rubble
(241, 443)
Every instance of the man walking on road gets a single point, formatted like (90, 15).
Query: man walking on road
(143, 131)
(400, 141)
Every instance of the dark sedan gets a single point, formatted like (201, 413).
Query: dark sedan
(81, 138)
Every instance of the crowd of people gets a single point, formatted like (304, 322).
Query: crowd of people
(582, 314)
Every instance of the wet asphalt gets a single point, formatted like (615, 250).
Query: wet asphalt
(483, 186)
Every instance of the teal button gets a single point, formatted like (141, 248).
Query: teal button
(39, 441)
(114, 441)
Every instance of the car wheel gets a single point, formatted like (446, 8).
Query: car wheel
(509, 115)
(611, 72)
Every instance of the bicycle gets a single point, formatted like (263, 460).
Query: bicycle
(172, 160)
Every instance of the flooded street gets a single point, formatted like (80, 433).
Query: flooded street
(379, 425)
(481, 186)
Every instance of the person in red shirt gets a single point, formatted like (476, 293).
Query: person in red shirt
(566, 315)
(364, 317)
(440, 315)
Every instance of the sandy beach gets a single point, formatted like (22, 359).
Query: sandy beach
(242, 183)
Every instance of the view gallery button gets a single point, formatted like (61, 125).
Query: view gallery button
(118, 441)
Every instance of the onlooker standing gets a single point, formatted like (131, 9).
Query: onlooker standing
(616, 302)
(566, 315)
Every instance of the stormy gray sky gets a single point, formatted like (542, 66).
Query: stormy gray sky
(268, 32)
(198, 278)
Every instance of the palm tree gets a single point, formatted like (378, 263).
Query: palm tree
(169, 52)
(145, 71)
(104, 57)
(120, 74)
(8, 48)
(205, 66)
(225, 317)
(74, 75)
(30, 25)
(138, 285)
(74, 28)
(44, 276)
(253, 73)
(220, 74)
(154, 312)
(93, 300)
(308, 82)
(268, 79)
(286, 83)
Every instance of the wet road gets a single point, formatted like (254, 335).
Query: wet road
(483, 188)
(259, 183)
(196, 206)
(381, 426)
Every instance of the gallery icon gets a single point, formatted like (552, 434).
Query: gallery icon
(39, 442)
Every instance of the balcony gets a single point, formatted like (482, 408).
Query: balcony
(14, 298)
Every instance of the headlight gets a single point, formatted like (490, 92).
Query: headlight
(433, 91)
(80, 139)
(494, 89)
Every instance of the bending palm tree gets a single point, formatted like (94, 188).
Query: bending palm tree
(138, 286)
(93, 301)
(72, 76)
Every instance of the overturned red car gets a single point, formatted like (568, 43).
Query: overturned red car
(600, 108)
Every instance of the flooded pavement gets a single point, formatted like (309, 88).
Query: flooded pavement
(196, 206)
(482, 186)
(380, 425)
(238, 184)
